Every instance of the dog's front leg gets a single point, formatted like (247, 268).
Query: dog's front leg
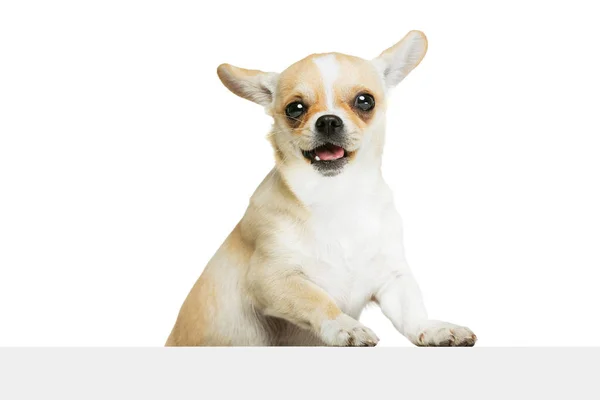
(286, 293)
(401, 301)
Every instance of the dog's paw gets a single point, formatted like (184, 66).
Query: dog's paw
(444, 334)
(346, 331)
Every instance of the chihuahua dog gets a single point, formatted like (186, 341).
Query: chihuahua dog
(321, 237)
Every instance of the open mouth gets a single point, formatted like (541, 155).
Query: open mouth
(328, 159)
(326, 153)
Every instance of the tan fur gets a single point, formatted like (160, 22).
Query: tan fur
(346, 89)
(193, 325)
(277, 290)
(255, 289)
(273, 208)
(250, 84)
(300, 82)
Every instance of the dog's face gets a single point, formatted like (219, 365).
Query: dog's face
(327, 108)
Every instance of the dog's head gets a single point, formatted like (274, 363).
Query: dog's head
(328, 109)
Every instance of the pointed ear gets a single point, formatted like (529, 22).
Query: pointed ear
(396, 62)
(251, 84)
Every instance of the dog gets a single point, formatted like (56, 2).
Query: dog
(321, 237)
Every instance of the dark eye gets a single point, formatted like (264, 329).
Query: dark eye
(295, 109)
(364, 102)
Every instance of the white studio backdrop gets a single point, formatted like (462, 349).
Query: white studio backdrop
(124, 162)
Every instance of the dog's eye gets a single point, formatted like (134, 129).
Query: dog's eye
(295, 109)
(364, 102)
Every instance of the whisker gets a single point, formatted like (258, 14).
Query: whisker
(286, 116)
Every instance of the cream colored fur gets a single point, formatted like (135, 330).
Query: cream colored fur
(311, 250)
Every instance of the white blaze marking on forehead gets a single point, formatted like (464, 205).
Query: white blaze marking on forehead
(329, 68)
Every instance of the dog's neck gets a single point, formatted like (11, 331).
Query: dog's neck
(361, 177)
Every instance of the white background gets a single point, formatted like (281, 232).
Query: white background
(124, 162)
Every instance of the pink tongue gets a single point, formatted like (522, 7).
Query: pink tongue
(330, 153)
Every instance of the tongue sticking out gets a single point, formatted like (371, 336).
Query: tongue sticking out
(329, 152)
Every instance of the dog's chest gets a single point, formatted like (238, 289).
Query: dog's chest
(341, 248)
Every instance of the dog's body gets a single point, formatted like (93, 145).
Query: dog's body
(321, 237)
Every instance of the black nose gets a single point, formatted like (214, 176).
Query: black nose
(329, 124)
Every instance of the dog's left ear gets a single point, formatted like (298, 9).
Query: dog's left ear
(396, 62)
(251, 84)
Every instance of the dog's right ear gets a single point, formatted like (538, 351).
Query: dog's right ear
(251, 84)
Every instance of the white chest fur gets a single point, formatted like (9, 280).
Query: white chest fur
(341, 247)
